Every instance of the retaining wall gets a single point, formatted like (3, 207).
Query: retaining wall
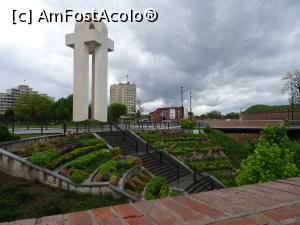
(19, 167)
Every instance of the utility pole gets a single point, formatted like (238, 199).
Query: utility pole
(182, 109)
(181, 91)
(190, 101)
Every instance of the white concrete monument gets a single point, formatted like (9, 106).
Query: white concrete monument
(90, 38)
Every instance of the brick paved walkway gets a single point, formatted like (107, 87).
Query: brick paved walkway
(269, 203)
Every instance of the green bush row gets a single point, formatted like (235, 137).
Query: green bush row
(44, 159)
(210, 165)
(157, 187)
(115, 168)
(75, 154)
(83, 161)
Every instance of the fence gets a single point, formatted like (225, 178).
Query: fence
(83, 127)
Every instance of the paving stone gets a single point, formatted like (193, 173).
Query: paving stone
(186, 214)
(157, 214)
(199, 207)
(79, 218)
(52, 220)
(246, 220)
(106, 216)
(284, 212)
(25, 222)
(138, 221)
(127, 210)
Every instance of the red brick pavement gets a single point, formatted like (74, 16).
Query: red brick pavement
(268, 203)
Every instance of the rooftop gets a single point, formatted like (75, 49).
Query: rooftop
(275, 202)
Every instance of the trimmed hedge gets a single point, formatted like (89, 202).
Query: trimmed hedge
(115, 168)
(157, 188)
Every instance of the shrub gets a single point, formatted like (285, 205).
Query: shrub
(75, 154)
(77, 177)
(6, 136)
(186, 124)
(83, 161)
(159, 145)
(157, 187)
(273, 158)
(44, 158)
(115, 168)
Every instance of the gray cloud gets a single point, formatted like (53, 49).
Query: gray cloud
(230, 54)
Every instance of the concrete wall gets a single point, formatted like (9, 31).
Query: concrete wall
(20, 167)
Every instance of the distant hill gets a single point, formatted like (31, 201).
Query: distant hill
(258, 108)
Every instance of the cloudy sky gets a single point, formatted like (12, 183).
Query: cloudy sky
(230, 54)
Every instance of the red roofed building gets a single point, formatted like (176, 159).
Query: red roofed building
(167, 113)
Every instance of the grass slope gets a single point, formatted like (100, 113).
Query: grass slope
(24, 199)
(258, 108)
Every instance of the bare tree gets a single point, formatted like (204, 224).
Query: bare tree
(292, 85)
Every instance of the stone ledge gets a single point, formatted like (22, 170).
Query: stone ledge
(275, 202)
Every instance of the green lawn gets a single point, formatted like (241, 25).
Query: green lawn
(24, 199)
(257, 108)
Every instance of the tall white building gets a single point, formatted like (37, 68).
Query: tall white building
(124, 93)
(9, 99)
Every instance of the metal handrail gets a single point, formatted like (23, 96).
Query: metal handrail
(150, 146)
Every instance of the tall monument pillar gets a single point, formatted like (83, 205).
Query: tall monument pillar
(90, 38)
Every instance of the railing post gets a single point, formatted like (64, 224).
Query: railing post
(13, 127)
(160, 157)
(142, 126)
(76, 128)
(177, 171)
(136, 146)
(64, 128)
(102, 126)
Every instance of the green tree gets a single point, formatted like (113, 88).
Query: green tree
(214, 114)
(63, 108)
(232, 115)
(115, 111)
(9, 115)
(61, 112)
(34, 107)
(186, 124)
(273, 158)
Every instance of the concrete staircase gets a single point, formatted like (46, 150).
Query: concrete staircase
(160, 163)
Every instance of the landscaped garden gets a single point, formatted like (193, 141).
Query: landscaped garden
(78, 157)
(26, 199)
(212, 151)
(272, 156)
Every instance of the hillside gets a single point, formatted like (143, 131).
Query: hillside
(257, 108)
